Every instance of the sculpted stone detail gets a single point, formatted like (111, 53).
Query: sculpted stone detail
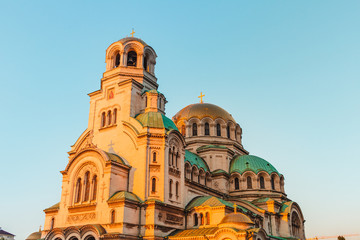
(174, 219)
(81, 217)
(154, 168)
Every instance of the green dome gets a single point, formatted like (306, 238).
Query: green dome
(195, 159)
(252, 163)
(155, 120)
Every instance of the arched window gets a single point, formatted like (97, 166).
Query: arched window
(218, 130)
(115, 115)
(176, 159)
(170, 188)
(103, 119)
(78, 190)
(262, 182)
(196, 219)
(272, 182)
(199, 177)
(132, 58)
(207, 130)
(177, 189)
(194, 129)
(236, 180)
(94, 188)
(108, 118)
(112, 219)
(228, 131)
(295, 225)
(52, 223)
(146, 101)
(153, 185)
(249, 182)
(183, 130)
(117, 60)
(207, 216)
(154, 157)
(146, 63)
(170, 157)
(201, 219)
(87, 186)
(235, 135)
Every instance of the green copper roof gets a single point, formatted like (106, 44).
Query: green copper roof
(115, 158)
(194, 159)
(211, 146)
(155, 120)
(252, 163)
(121, 195)
(55, 206)
(211, 202)
(219, 171)
(285, 208)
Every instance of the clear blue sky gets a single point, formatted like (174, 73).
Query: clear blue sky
(288, 71)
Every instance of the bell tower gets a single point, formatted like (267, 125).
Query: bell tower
(131, 58)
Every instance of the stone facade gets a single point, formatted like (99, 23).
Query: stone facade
(136, 174)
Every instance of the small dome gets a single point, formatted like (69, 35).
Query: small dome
(201, 110)
(34, 236)
(155, 120)
(252, 163)
(236, 220)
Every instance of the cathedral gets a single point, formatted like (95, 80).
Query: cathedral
(135, 173)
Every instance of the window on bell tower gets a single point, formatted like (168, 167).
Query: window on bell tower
(132, 58)
(117, 60)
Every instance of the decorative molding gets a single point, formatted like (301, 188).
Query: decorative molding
(81, 217)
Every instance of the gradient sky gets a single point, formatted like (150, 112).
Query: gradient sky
(288, 71)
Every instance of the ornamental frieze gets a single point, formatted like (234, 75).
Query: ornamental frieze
(81, 217)
(174, 219)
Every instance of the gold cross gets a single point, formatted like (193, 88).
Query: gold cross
(235, 207)
(132, 33)
(201, 97)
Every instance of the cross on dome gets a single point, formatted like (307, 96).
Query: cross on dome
(132, 33)
(201, 97)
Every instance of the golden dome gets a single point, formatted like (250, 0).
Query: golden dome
(237, 220)
(34, 236)
(202, 110)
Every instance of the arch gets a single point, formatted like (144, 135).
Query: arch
(187, 170)
(103, 119)
(78, 191)
(194, 129)
(196, 219)
(236, 182)
(207, 216)
(202, 219)
(218, 130)
(262, 182)
(170, 163)
(108, 117)
(131, 59)
(87, 186)
(228, 131)
(153, 185)
(249, 182)
(117, 60)
(207, 129)
(115, 115)
(282, 183)
(177, 193)
(295, 225)
(94, 188)
(201, 176)
(194, 172)
(112, 216)
(170, 188)
(154, 157)
(272, 182)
